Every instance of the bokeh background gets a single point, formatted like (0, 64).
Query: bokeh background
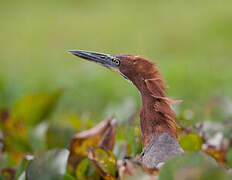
(191, 42)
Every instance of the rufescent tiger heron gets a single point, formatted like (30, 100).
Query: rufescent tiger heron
(157, 119)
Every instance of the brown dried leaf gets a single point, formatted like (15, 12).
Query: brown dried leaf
(218, 154)
(4, 115)
(8, 173)
(102, 135)
(15, 136)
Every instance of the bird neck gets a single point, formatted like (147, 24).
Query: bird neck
(156, 115)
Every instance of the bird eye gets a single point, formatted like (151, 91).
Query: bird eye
(116, 62)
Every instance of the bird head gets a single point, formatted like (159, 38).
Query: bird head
(133, 68)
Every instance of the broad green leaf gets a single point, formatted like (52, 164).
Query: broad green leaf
(50, 165)
(68, 177)
(229, 158)
(32, 109)
(191, 142)
(82, 168)
(86, 170)
(104, 161)
(22, 167)
(192, 165)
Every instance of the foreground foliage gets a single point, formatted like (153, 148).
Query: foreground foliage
(35, 146)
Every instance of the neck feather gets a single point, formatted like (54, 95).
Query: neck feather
(156, 115)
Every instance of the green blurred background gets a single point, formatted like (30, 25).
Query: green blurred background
(191, 41)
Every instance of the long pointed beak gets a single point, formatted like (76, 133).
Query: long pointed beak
(102, 59)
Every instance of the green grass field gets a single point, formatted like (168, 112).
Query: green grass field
(190, 41)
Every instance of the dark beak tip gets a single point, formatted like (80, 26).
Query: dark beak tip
(75, 52)
(71, 51)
